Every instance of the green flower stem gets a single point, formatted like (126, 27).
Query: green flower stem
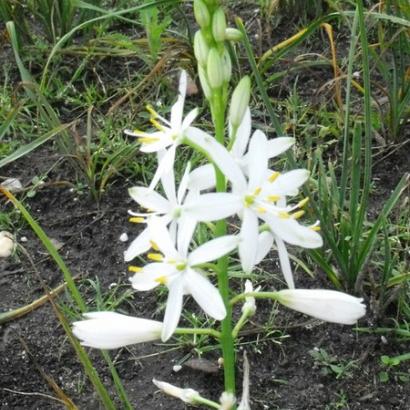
(198, 331)
(206, 402)
(227, 341)
(239, 325)
(256, 295)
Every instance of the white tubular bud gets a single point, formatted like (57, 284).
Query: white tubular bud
(232, 34)
(204, 82)
(219, 25)
(201, 13)
(201, 49)
(186, 395)
(6, 244)
(227, 66)
(240, 101)
(214, 68)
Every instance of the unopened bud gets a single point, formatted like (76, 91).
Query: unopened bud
(201, 48)
(201, 13)
(240, 101)
(232, 34)
(186, 395)
(204, 83)
(219, 25)
(227, 65)
(214, 69)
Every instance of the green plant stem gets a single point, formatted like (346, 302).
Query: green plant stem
(198, 331)
(206, 402)
(239, 324)
(257, 295)
(227, 341)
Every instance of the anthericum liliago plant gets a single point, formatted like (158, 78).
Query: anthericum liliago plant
(236, 182)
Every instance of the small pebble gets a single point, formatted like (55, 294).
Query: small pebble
(124, 237)
(176, 368)
(12, 184)
(23, 239)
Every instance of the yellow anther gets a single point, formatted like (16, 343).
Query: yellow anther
(273, 198)
(137, 219)
(315, 228)
(257, 191)
(151, 110)
(162, 280)
(261, 210)
(303, 202)
(148, 140)
(274, 176)
(134, 269)
(156, 124)
(283, 215)
(155, 257)
(298, 214)
(154, 246)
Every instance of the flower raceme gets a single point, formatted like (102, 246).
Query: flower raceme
(110, 330)
(179, 270)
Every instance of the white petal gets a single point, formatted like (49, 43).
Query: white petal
(165, 165)
(164, 141)
(138, 246)
(242, 135)
(149, 199)
(147, 279)
(278, 145)
(257, 160)
(177, 109)
(288, 183)
(292, 232)
(285, 263)
(168, 180)
(214, 206)
(189, 119)
(186, 228)
(173, 309)
(110, 330)
(202, 178)
(265, 242)
(160, 235)
(183, 185)
(328, 305)
(205, 294)
(248, 245)
(219, 155)
(213, 249)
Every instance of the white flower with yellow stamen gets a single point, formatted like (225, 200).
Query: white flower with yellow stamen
(178, 269)
(259, 195)
(170, 133)
(203, 177)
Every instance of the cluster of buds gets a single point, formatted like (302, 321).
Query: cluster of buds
(211, 52)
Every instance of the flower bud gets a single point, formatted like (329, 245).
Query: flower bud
(186, 395)
(227, 66)
(240, 101)
(232, 34)
(214, 69)
(204, 82)
(201, 13)
(219, 25)
(201, 48)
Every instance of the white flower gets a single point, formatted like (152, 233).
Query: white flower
(186, 395)
(259, 195)
(6, 244)
(175, 210)
(327, 305)
(203, 177)
(177, 269)
(170, 133)
(110, 330)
